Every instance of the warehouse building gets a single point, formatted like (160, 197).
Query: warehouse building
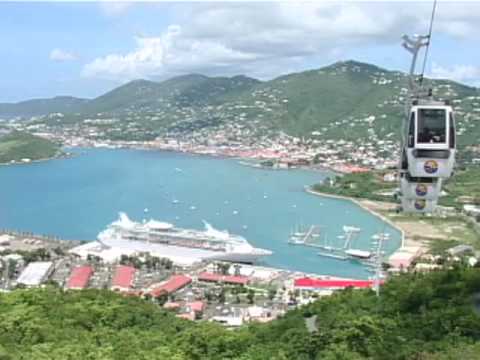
(80, 277)
(35, 273)
(123, 278)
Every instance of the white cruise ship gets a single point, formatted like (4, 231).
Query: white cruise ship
(182, 246)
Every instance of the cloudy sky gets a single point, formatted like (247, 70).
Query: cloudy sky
(85, 49)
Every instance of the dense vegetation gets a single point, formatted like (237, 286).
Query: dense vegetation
(368, 185)
(462, 187)
(19, 145)
(417, 317)
(464, 184)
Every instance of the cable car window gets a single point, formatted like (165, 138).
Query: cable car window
(431, 126)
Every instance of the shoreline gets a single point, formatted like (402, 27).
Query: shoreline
(63, 155)
(405, 243)
(244, 160)
(363, 206)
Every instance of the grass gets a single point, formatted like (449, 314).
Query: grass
(362, 185)
(465, 183)
(19, 145)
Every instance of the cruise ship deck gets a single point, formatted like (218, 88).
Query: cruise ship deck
(112, 250)
(116, 248)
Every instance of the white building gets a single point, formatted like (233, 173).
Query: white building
(35, 273)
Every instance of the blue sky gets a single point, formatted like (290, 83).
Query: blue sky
(86, 49)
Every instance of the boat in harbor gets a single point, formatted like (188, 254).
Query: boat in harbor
(294, 240)
(332, 255)
(184, 246)
(351, 229)
(357, 253)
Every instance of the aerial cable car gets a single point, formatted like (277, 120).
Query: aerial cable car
(429, 139)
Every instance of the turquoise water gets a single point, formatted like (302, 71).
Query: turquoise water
(76, 198)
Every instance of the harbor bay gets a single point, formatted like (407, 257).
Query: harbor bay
(78, 197)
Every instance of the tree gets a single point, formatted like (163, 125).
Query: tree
(12, 268)
(221, 296)
(250, 296)
(162, 298)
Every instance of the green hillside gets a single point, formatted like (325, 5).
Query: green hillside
(37, 107)
(188, 90)
(348, 100)
(431, 316)
(19, 145)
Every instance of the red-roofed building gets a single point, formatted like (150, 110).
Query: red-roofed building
(123, 278)
(228, 279)
(171, 306)
(196, 306)
(187, 316)
(80, 277)
(314, 284)
(175, 283)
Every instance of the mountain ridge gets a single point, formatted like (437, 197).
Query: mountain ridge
(196, 76)
(345, 100)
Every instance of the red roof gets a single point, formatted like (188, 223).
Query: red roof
(187, 316)
(124, 276)
(173, 284)
(238, 280)
(79, 277)
(319, 283)
(196, 306)
(171, 305)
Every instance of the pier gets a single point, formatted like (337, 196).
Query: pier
(26, 240)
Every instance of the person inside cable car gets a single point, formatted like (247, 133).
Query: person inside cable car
(431, 126)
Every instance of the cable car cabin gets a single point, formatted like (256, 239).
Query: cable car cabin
(418, 205)
(420, 188)
(430, 143)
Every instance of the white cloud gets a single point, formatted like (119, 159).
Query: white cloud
(460, 73)
(170, 52)
(265, 39)
(62, 55)
(114, 8)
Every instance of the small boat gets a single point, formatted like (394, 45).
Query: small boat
(175, 201)
(379, 236)
(357, 253)
(332, 255)
(193, 207)
(235, 212)
(347, 228)
(296, 241)
(299, 234)
(145, 210)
